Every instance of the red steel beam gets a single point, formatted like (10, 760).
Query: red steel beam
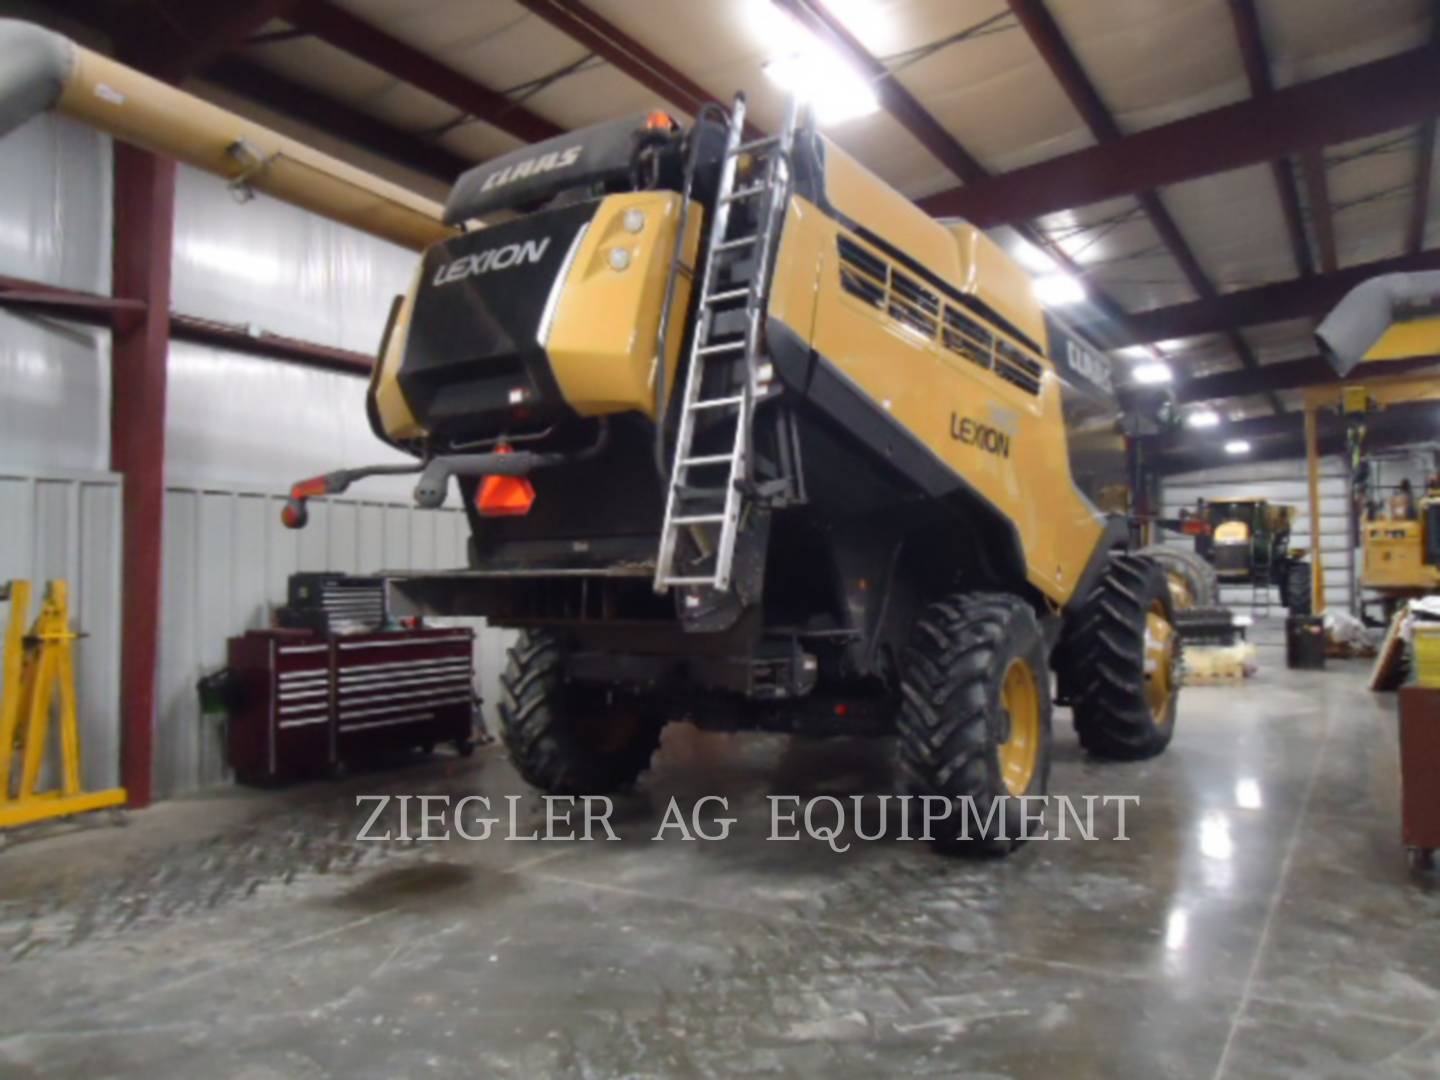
(1276, 437)
(177, 42)
(71, 304)
(623, 52)
(144, 196)
(337, 27)
(1351, 104)
(273, 346)
(1295, 299)
(126, 314)
(899, 103)
(290, 98)
(1287, 375)
(1420, 206)
(1257, 70)
(1048, 39)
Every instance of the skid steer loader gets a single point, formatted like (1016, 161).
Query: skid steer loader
(746, 437)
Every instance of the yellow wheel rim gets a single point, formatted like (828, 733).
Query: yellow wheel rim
(1020, 753)
(1159, 663)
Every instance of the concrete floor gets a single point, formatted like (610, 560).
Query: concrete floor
(1261, 922)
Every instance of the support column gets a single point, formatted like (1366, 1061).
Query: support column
(1312, 461)
(144, 210)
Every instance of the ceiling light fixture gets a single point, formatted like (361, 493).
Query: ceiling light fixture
(834, 89)
(810, 69)
(1152, 374)
(1058, 290)
(1237, 446)
(1203, 418)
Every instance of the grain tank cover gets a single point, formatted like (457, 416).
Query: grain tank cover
(600, 155)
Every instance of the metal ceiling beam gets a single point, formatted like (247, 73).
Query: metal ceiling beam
(1317, 198)
(1257, 70)
(118, 313)
(189, 37)
(1420, 204)
(337, 27)
(1295, 299)
(927, 130)
(1277, 437)
(1050, 42)
(275, 92)
(1351, 104)
(1286, 375)
(623, 52)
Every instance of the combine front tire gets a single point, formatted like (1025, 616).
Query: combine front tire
(570, 738)
(1123, 662)
(975, 714)
(1297, 590)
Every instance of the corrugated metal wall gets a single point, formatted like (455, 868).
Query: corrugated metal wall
(240, 429)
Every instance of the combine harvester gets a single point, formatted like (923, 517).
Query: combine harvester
(743, 435)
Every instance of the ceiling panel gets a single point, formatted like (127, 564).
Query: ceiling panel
(1155, 62)
(1310, 38)
(1372, 189)
(1233, 223)
(1276, 343)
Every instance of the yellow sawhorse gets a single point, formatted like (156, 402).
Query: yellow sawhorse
(39, 668)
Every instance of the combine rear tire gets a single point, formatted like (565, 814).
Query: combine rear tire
(1123, 662)
(1297, 589)
(1199, 577)
(570, 738)
(975, 715)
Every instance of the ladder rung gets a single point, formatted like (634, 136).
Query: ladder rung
(730, 245)
(755, 144)
(719, 402)
(724, 346)
(691, 581)
(698, 519)
(708, 459)
(744, 193)
(728, 294)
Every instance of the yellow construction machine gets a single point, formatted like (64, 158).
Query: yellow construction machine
(744, 436)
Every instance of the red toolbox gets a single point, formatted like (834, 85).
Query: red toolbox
(304, 701)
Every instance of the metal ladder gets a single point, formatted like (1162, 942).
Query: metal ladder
(725, 364)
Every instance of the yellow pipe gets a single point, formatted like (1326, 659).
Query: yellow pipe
(1312, 461)
(47, 70)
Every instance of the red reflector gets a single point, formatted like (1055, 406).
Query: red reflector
(505, 496)
(659, 120)
(1196, 528)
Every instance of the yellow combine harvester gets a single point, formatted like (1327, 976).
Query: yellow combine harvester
(745, 436)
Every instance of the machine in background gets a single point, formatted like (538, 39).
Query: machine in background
(1248, 542)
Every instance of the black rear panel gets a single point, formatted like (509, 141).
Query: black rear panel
(473, 365)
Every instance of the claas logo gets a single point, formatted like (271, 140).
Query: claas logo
(556, 159)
